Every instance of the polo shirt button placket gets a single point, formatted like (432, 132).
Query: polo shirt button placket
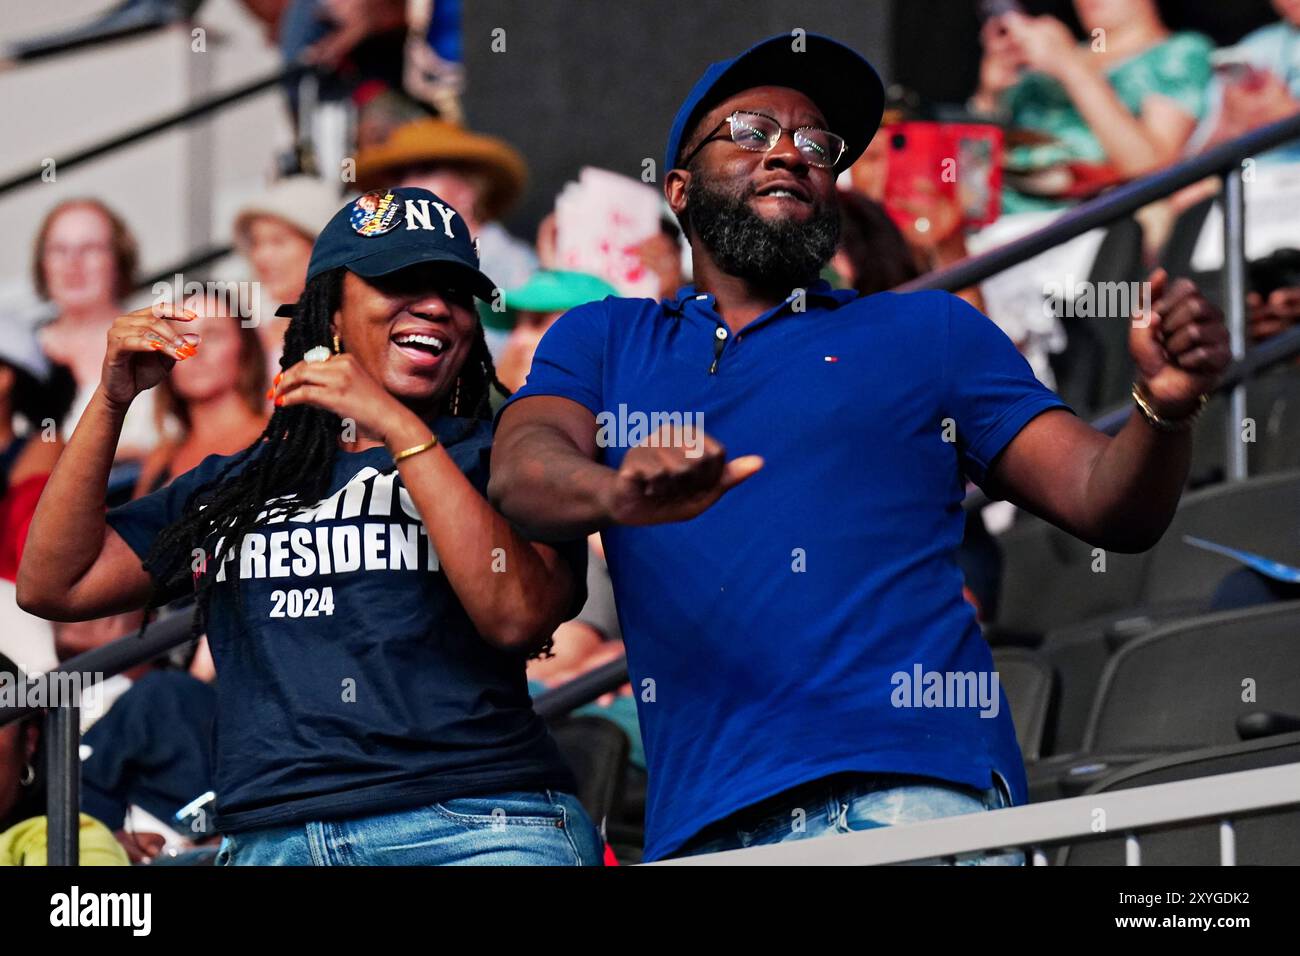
(719, 340)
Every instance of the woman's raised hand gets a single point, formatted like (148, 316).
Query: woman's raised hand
(142, 348)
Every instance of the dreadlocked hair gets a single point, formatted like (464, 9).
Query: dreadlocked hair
(290, 465)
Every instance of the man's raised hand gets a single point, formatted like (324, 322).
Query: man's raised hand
(1182, 350)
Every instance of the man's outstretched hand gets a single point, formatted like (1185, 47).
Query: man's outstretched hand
(674, 476)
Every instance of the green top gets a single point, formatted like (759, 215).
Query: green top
(1177, 68)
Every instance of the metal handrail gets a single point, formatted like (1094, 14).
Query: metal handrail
(26, 52)
(1107, 208)
(187, 114)
(109, 660)
(122, 22)
(581, 690)
(1220, 797)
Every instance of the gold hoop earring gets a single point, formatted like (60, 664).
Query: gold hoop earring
(338, 348)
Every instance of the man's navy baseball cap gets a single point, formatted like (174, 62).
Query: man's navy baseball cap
(845, 87)
(386, 230)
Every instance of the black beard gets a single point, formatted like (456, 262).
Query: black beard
(772, 254)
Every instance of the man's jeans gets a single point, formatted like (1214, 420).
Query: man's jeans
(537, 828)
(845, 803)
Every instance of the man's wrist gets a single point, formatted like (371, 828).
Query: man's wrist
(605, 496)
(1167, 416)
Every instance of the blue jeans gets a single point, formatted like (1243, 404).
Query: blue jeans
(521, 828)
(845, 803)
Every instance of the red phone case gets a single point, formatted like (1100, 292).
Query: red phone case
(961, 161)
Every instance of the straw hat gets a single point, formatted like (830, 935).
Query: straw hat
(435, 140)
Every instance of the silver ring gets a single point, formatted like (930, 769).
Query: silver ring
(320, 353)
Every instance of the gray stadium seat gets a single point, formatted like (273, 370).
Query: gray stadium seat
(1048, 581)
(1274, 402)
(1182, 686)
(1078, 657)
(1261, 515)
(1271, 838)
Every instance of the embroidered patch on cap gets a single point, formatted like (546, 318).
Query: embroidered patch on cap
(374, 214)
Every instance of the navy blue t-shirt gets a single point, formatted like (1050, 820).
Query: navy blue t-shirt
(352, 681)
(812, 620)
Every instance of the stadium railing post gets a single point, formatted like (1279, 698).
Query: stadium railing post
(63, 780)
(1234, 301)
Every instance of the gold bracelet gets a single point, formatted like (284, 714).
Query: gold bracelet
(414, 450)
(1160, 423)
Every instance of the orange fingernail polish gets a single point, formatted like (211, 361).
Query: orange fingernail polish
(279, 400)
(278, 376)
(156, 346)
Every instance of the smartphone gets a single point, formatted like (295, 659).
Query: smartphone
(959, 161)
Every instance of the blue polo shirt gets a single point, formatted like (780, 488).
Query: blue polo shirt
(812, 620)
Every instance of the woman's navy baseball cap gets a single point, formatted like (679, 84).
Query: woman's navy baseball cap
(386, 230)
(845, 87)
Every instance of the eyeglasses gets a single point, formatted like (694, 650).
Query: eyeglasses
(759, 133)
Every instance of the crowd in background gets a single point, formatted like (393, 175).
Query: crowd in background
(1146, 99)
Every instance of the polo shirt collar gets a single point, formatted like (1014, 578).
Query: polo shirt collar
(820, 291)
